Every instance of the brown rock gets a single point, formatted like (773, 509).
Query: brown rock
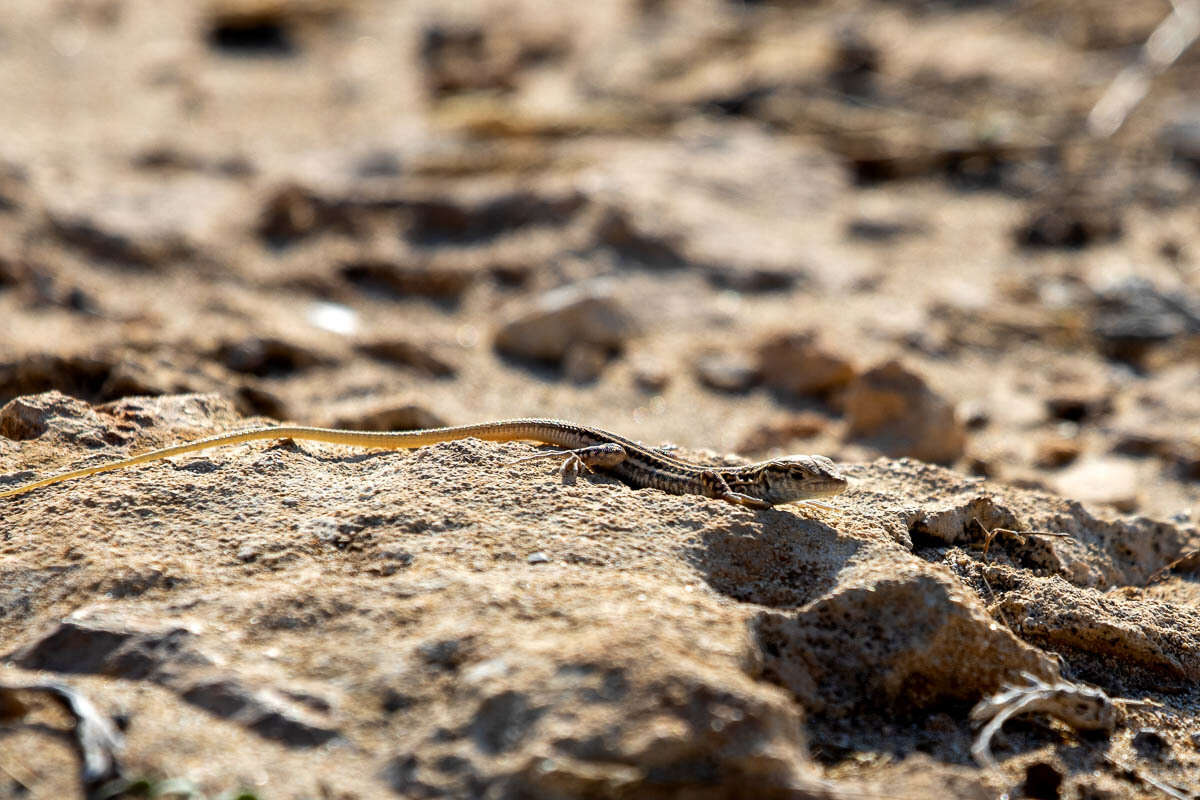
(637, 241)
(893, 410)
(905, 635)
(438, 220)
(291, 212)
(726, 372)
(268, 714)
(780, 433)
(1185, 457)
(408, 354)
(796, 364)
(264, 357)
(58, 415)
(1071, 223)
(583, 314)
(1157, 643)
(651, 376)
(1053, 452)
(107, 647)
(1079, 403)
(402, 417)
(121, 235)
(398, 279)
(1102, 480)
(76, 375)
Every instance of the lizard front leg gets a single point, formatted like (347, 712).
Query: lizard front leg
(582, 459)
(715, 486)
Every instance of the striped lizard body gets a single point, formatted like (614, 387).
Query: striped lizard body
(761, 485)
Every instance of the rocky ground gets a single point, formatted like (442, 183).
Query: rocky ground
(881, 231)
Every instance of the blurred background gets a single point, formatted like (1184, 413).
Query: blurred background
(967, 232)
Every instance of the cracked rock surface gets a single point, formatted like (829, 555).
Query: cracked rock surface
(316, 616)
(877, 231)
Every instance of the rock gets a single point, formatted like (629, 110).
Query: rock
(291, 212)
(1080, 402)
(780, 433)
(651, 376)
(270, 716)
(1101, 480)
(882, 229)
(408, 354)
(975, 416)
(555, 323)
(487, 56)
(902, 635)
(893, 410)
(794, 363)
(855, 62)
(1149, 743)
(403, 417)
(960, 523)
(413, 585)
(1185, 458)
(13, 186)
(398, 280)
(34, 416)
(442, 220)
(263, 357)
(1157, 643)
(1052, 452)
(123, 235)
(1070, 224)
(77, 375)
(1043, 779)
(749, 279)
(1138, 443)
(636, 241)
(1133, 315)
(726, 372)
(1181, 136)
(261, 31)
(100, 647)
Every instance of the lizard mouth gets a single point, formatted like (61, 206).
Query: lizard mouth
(813, 490)
(830, 487)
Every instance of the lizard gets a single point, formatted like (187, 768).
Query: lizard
(799, 478)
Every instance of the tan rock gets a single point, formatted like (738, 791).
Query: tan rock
(1160, 640)
(904, 635)
(726, 372)
(796, 364)
(1053, 452)
(1101, 480)
(566, 318)
(779, 433)
(893, 410)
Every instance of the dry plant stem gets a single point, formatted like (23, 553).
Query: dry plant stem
(1080, 707)
(1170, 39)
(95, 736)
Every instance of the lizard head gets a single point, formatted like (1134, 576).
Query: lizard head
(792, 478)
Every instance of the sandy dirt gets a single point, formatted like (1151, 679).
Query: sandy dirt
(881, 231)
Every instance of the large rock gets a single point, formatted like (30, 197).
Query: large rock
(893, 410)
(577, 324)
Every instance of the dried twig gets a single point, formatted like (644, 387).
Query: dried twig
(1166, 44)
(95, 735)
